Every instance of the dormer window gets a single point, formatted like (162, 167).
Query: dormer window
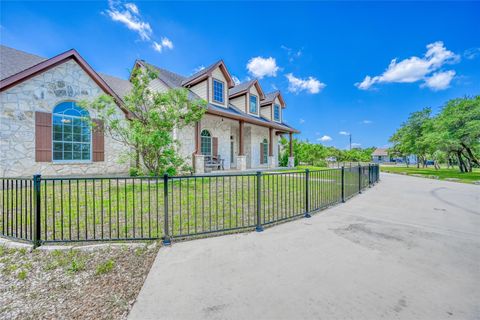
(253, 104)
(276, 112)
(218, 91)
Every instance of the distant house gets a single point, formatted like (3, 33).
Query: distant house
(380, 155)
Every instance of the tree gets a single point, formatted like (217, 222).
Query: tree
(458, 125)
(406, 140)
(153, 116)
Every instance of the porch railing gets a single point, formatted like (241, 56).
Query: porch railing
(45, 210)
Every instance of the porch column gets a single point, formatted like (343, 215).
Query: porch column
(271, 158)
(198, 158)
(291, 159)
(241, 158)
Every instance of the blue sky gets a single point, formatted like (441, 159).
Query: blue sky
(318, 54)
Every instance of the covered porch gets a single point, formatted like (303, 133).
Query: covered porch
(230, 145)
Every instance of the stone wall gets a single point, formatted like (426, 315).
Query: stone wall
(66, 82)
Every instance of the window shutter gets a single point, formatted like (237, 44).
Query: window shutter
(261, 153)
(43, 137)
(98, 141)
(215, 146)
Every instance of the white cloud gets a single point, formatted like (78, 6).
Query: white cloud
(302, 121)
(439, 80)
(164, 44)
(292, 54)
(129, 15)
(413, 69)
(261, 67)
(344, 133)
(471, 53)
(356, 145)
(367, 121)
(199, 68)
(310, 85)
(324, 138)
(132, 7)
(236, 80)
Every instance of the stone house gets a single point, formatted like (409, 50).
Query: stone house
(42, 128)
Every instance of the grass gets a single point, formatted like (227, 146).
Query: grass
(442, 174)
(82, 209)
(105, 267)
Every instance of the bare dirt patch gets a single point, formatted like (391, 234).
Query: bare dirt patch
(72, 284)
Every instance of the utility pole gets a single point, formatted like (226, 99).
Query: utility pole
(350, 140)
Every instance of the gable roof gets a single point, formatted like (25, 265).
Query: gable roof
(380, 152)
(244, 87)
(206, 72)
(32, 70)
(270, 98)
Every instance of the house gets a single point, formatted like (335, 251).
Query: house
(42, 127)
(380, 155)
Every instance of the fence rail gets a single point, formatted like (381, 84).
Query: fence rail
(45, 210)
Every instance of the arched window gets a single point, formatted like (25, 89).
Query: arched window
(265, 151)
(206, 143)
(72, 136)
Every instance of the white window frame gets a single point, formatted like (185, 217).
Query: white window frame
(213, 91)
(63, 141)
(279, 112)
(250, 95)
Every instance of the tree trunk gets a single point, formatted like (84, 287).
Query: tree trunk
(471, 156)
(461, 164)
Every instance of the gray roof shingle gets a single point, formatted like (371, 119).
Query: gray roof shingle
(269, 97)
(120, 86)
(200, 73)
(240, 87)
(13, 61)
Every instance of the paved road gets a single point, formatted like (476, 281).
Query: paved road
(409, 248)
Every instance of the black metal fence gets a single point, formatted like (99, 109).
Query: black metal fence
(45, 210)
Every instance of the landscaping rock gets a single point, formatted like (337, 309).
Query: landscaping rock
(452, 179)
(476, 182)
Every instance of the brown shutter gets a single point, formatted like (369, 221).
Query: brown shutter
(98, 141)
(261, 153)
(43, 137)
(215, 146)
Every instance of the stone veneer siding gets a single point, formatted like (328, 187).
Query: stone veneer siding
(65, 82)
(223, 128)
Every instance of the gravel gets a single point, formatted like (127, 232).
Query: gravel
(99, 283)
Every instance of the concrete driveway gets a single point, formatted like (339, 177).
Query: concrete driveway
(409, 248)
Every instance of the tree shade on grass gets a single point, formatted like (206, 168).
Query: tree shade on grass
(442, 174)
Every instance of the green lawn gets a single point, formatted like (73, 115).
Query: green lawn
(442, 174)
(80, 209)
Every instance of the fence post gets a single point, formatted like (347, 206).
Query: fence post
(369, 175)
(259, 227)
(359, 178)
(307, 194)
(166, 237)
(343, 184)
(36, 237)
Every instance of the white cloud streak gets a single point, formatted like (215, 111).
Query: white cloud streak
(325, 138)
(343, 133)
(310, 84)
(129, 15)
(414, 69)
(261, 67)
